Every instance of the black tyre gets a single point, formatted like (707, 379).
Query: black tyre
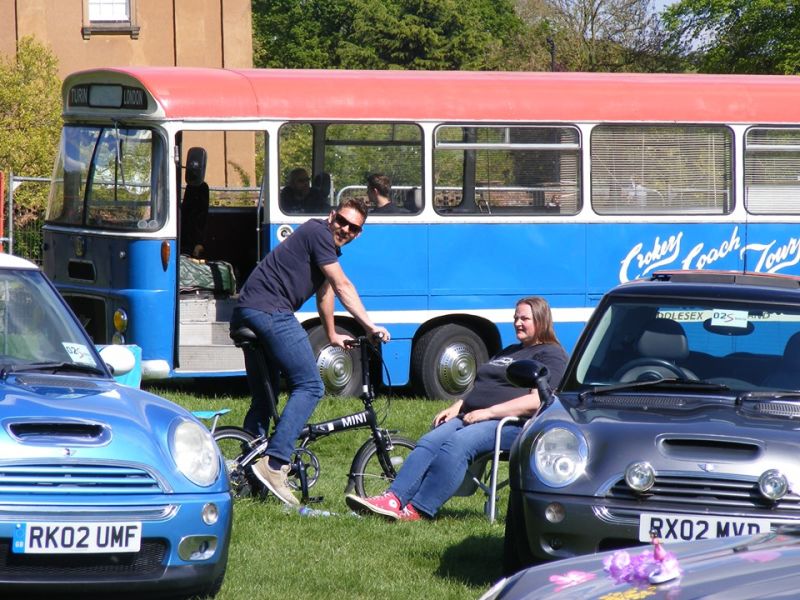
(370, 476)
(340, 369)
(516, 552)
(445, 360)
(232, 443)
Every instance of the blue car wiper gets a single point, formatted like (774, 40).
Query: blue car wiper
(54, 366)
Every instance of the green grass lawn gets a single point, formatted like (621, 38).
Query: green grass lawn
(277, 553)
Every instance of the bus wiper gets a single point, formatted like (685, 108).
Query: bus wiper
(683, 383)
(54, 366)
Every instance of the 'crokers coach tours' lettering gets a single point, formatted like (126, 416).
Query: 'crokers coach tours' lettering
(662, 253)
(667, 252)
(772, 259)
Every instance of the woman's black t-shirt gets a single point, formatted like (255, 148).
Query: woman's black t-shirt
(491, 386)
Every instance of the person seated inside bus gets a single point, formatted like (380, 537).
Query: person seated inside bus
(435, 469)
(379, 186)
(297, 196)
(194, 207)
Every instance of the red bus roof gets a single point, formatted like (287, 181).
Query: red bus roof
(467, 96)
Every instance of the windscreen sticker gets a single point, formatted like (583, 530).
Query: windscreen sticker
(79, 354)
(729, 318)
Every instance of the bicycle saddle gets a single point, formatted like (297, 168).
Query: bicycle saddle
(243, 335)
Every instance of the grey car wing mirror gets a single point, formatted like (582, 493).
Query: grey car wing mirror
(530, 374)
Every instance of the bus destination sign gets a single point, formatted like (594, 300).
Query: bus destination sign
(107, 96)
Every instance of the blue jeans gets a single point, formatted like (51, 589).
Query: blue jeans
(435, 469)
(289, 352)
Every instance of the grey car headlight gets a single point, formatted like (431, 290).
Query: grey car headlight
(559, 456)
(195, 453)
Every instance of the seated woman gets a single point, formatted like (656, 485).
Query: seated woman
(434, 470)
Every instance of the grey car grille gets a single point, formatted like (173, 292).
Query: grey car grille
(76, 479)
(705, 492)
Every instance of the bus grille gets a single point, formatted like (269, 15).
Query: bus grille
(75, 479)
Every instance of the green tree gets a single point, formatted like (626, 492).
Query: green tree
(30, 120)
(384, 34)
(737, 36)
(598, 35)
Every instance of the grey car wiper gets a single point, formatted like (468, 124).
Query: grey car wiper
(691, 384)
(49, 366)
(768, 395)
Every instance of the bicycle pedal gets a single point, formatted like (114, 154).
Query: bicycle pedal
(315, 499)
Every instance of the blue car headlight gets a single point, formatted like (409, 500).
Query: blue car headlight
(195, 453)
(559, 456)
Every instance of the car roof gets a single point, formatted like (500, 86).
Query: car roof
(9, 261)
(724, 285)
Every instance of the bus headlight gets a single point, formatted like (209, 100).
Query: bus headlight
(195, 453)
(559, 457)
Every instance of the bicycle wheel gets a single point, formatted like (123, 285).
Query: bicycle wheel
(232, 443)
(370, 473)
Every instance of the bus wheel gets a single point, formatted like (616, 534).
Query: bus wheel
(340, 369)
(445, 360)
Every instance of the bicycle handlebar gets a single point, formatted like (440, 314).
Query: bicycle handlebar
(361, 339)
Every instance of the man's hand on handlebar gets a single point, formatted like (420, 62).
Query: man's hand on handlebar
(380, 334)
(341, 340)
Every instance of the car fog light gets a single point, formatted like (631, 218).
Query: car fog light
(640, 476)
(197, 547)
(773, 484)
(120, 320)
(554, 512)
(210, 513)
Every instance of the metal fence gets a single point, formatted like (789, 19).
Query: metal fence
(23, 235)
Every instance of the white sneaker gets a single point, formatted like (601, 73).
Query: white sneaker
(276, 481)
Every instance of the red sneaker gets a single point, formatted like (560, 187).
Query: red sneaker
(409, 513)
(387, 505)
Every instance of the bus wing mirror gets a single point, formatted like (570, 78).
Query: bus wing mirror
(196, 166)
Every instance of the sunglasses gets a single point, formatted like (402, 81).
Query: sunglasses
(342, 222)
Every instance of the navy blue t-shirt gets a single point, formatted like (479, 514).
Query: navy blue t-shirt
(491, 386)
(290, 274)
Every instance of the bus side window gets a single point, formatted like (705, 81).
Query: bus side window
(323, 186)
(499, 169)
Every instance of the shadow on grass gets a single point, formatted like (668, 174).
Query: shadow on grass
(476, 561)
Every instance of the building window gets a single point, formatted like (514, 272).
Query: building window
(112, 11)
(110, 17)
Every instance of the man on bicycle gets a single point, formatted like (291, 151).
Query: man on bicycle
(305, 263)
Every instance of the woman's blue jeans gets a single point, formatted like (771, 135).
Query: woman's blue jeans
(289, 352)
(435, 469)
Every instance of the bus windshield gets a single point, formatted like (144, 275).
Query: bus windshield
(107, 177)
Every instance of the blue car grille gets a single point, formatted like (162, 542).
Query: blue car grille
(76, 479)
(147, 563)
(688, 491)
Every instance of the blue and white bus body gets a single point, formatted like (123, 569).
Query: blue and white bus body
(444, 282)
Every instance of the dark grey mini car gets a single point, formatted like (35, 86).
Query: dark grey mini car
(678, 416)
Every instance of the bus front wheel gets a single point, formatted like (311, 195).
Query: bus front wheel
(339, 369)
(445, 360)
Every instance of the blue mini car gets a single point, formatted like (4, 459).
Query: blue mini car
(104, 489)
